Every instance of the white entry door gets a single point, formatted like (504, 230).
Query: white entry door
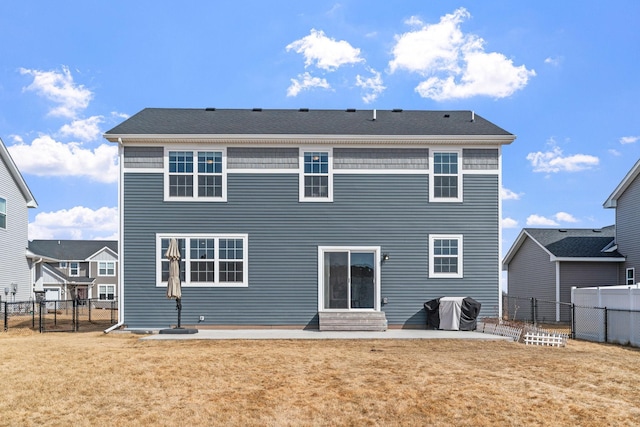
(349, 278)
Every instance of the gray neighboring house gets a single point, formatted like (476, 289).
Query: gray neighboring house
(15, 201)
(330, 219)
(69, 269)
(625, 199)
(545, 263)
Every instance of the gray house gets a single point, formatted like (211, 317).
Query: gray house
(15, 201)
(625, 199)
(69, 269)
(545, 263)
(305, 218)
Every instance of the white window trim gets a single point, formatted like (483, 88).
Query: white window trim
(187, 273)
(5, 213)
(107, 293)
(301, 174)
(432, 273)
(107, 268)
(71, 269)
(438, 150)
(195, 150)
(632, 278)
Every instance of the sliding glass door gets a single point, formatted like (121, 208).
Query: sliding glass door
(349, 278)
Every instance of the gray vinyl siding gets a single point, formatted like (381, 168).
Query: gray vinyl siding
(381, 158)
(262, 158)
(390, 211)
(628, 229)
(480, 159)
(14, 267)
(143, 157)
(531, 274)
(581, 275)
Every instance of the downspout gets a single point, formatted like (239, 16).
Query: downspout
(120, 250)
(557, 291)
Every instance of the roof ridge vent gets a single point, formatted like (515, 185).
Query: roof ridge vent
(351, 110)
(597, 230)
(304, 110)
(397, 110)
(210, 109)
(446, 116)
(562, 230)
(257, 109)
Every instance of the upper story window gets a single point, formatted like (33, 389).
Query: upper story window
(62, 264)
(631, 276)
(106, 268)
(3, 213)
(316, 177)
(195, 175)
(445, 184)
(207, 260)
(74, 269)
(445, 256)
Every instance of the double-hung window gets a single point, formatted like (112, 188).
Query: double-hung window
(445, 184)
(206, 259)
(3, 213)
(106, 292)
(445, 256)
(316, 177)
(74, 269)
(195, 175)
(631, 276)
(106, 268)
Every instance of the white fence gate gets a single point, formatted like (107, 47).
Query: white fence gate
(610, 313)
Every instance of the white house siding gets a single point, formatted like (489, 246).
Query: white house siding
(14, 267)
(628, 229)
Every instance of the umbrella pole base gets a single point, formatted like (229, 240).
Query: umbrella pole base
(178, 331)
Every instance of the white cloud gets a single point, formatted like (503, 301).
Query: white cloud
(324, 52)
(83, 129)
(76, 223)
(509, 223)
(614, 152)
(59, 88)
(305, 82)
(540, 220)
(629, 139)
(48, 157)
(553, 61)
(555, 161)
(565, 217)
(506, 194)
(372, 85)
(455, 64)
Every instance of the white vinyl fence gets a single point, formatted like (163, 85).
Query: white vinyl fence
(607, 314)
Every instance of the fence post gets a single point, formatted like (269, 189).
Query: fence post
(6, 317)
(573, 321)
(111, 312)
(33, 314)
(42, 304)
(606, 325)
(89, 302)
(534, 310)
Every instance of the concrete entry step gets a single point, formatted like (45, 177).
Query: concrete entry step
(352, 321)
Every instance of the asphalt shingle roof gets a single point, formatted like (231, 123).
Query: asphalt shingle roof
(576, 242)
(70, 250)
(184, 121)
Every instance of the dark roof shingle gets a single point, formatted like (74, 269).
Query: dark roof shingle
(67, 250)
(576, 242)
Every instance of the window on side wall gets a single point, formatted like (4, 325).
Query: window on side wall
(106, 292)
(445, 256)
(106, 268)
(207, 260)
(195, 175)
(316, 176)
(3, 213)
(631, 276)
(445, 183)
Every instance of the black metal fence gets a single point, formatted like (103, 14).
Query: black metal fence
(60, 315)
(599, 324)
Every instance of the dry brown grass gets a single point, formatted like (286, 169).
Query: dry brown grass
(117, 379)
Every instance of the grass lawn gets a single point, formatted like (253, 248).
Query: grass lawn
(117, 379)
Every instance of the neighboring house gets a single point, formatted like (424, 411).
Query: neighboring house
(69, 269)
(545, 263)
(15, 201)
(625, 199)
(308, 218)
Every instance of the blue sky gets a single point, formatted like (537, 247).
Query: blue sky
(562, 76)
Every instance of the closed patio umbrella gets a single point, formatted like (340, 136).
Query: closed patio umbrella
(173, 283)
